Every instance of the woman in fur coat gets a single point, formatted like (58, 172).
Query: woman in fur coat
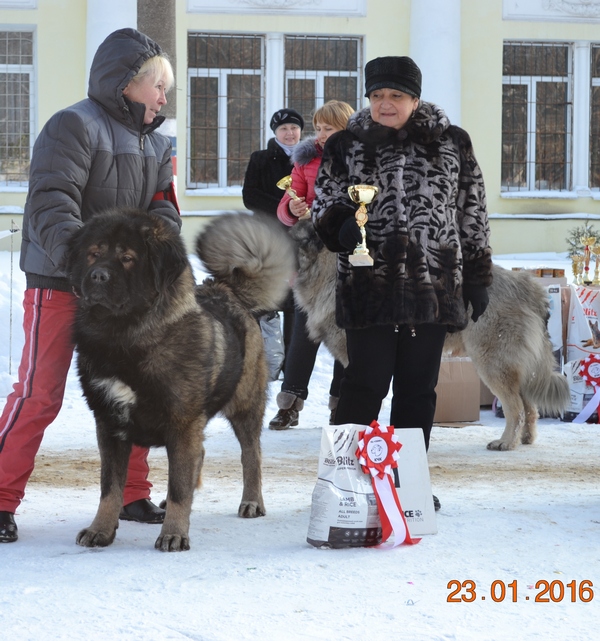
(427, 233)
(300, 360)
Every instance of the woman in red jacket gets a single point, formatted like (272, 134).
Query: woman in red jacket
(300, 358)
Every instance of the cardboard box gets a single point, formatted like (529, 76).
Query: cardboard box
(542, 272)
(458, 392)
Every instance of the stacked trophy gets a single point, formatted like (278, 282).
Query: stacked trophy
(581, 262)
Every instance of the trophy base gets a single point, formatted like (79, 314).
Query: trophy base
(360, 260)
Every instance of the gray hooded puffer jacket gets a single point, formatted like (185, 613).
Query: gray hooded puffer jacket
(92, 156)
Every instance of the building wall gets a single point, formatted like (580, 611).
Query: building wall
(61, 76)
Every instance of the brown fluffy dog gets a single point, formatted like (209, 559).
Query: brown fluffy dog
(159, 356)
(509, 344)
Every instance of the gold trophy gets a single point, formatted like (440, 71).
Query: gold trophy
(286, 184)
(578, 269)
(588, 242)
(596, 251)
(363, 196)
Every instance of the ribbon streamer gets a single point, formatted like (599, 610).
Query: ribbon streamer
(377, 454)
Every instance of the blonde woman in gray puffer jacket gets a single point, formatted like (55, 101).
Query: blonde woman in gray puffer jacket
(102, 152)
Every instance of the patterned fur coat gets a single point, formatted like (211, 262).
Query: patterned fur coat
(428, 230)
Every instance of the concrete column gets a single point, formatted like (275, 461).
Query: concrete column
(157, 21)
(581, 118)
(435, 47)
(104, 17)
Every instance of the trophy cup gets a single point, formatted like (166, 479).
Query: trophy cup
(362, 195)
(588, 242)
(596, 251)
(286, 184)
(578, 260)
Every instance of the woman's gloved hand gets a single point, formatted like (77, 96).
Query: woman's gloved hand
(477, 295)
(349, 235)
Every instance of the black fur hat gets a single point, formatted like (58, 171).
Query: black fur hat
(285, 117)
(393, 72)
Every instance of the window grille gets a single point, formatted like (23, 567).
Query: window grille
(225, 97)
(318, 69)
(16, 112)
(595, 119)
(227, 94)
(537, 116)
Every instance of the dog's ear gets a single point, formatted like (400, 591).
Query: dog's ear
(166, 252)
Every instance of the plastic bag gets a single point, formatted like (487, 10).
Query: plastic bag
(344, 508)
(270, 327)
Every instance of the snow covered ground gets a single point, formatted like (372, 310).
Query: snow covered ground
(511, 523)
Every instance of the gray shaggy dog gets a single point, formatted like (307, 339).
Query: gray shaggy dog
(509, 345)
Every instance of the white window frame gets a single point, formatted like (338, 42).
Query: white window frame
(578, 142)
(531, 83)
(273, 97)
(221, 186)
(22, 185)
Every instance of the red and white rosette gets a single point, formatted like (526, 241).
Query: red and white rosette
(590, 372)
(377, 453)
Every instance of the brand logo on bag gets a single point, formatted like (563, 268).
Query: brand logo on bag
(347, 461)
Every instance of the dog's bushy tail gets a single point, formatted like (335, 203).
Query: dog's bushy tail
(251, 254)
(549, 391)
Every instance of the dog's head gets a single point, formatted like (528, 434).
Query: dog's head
(122, 260)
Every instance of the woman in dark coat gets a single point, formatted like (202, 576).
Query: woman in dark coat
(428, 236)
(260, 192)
(267, 166)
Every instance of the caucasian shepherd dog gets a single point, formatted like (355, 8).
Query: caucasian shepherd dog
(509, 344)
(159, 356)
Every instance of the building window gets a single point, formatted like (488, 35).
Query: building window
(16, 113)
(233, 78)
(537, 117)
(595, 119)
(225, 89)
(320, 69)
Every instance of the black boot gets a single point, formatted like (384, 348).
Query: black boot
(8, 528)
(289, 409)
(436, 503)
(142, 511)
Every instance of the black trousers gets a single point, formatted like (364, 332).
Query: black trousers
(381, 354)
(300, 361)
(288, 310)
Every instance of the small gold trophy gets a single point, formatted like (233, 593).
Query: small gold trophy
(596, 251)
(286, 184)
(578, 269)
(363, 196)
(588, 242)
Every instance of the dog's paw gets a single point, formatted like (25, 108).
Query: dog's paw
(172, 543)
(500, 445)
(251, 509)
(89, 538)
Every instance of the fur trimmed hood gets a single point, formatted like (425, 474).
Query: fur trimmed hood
(307, 150)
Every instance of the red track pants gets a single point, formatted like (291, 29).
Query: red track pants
(38, 395)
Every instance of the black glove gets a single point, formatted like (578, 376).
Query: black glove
(349, 235)
(477, 295)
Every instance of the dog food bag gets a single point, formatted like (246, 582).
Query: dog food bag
(344, 508)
